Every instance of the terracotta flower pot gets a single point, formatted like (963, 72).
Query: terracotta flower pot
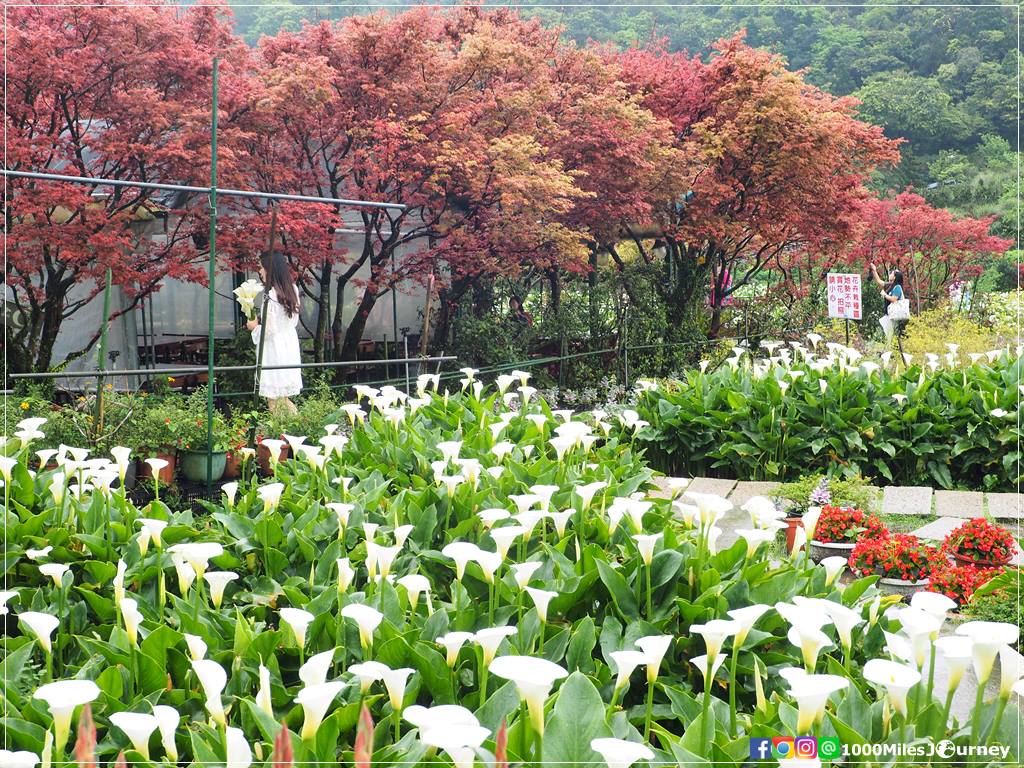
(792, 523)
(144, 472)
(233, 466)
(966, 560)
(263, 457)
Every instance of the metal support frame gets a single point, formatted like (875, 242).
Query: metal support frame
(211, 191)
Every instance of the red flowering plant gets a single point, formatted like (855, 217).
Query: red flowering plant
(980, 541)
(898, 556)
(958, 582)
(846, 525)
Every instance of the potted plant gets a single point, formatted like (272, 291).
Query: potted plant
(193, 434)
(958, 582)
(840, 528)
(980, 543)
(237, 438)
(902, 560)
(795, 498)
(154, 434)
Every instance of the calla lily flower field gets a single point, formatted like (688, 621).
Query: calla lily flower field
(462, 577)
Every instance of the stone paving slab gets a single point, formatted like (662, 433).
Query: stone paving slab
(1006, 506)
(662, 491)
(907, 500)
(964, 504)
(939, 529)
(715, 485)
(744, 492)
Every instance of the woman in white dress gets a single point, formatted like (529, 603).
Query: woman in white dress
(281, 323)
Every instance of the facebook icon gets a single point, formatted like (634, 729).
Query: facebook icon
(760, 749)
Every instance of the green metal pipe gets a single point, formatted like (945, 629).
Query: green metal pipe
(212, 291)
(98, 416)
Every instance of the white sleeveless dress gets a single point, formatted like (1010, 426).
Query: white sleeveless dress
(280, 348)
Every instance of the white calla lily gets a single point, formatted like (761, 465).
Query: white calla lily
(534, 678)
(897, 679)
(63, 697)
(167, 721)
(314, 671)
(42, 626)
(212, 678)
(315, 700)
(138, 727)
(237, 752)
(987, 637)
(619, 753)
(366, 618)
(298, 620)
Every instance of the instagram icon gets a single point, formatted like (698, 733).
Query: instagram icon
(805, 747)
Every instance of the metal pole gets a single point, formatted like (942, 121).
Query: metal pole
(212, 294)
(103, 355)
(224, 368)
(394, 309)
(405, 340)
(152, 333)
(198, 190)
(263, 327)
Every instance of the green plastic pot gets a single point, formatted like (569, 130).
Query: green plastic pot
(193, 465)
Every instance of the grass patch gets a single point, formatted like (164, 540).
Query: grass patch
(906, 523)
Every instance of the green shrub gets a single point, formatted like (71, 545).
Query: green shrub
(192, 428)
(1002, 312)
(846, 492)
(950, 428)
(316, 407)
(933, 329)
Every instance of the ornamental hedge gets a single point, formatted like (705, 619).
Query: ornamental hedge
(929, 423)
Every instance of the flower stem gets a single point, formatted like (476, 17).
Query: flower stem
(931, 675)
(649, 711)
(650, 611)
(732, 688)
(945, 709)
(979, 700)
(998, 718)
(705, 708)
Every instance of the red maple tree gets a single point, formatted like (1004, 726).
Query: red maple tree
(776, 165)
(930, 245)
(115, 91)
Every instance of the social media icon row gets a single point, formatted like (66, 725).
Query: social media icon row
(789, 748)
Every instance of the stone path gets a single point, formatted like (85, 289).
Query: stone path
(717, 486)
(744, 492)
(896, 500)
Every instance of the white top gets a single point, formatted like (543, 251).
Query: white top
(280, 348)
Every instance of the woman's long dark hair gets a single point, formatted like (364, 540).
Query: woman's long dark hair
(279, 277)
(897, 279)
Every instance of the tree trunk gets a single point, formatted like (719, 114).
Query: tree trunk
(323, 313)
(447, 298)
(337, 321)
(354, 334)
(592, 301)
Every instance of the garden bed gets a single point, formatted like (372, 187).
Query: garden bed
(449, 551)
